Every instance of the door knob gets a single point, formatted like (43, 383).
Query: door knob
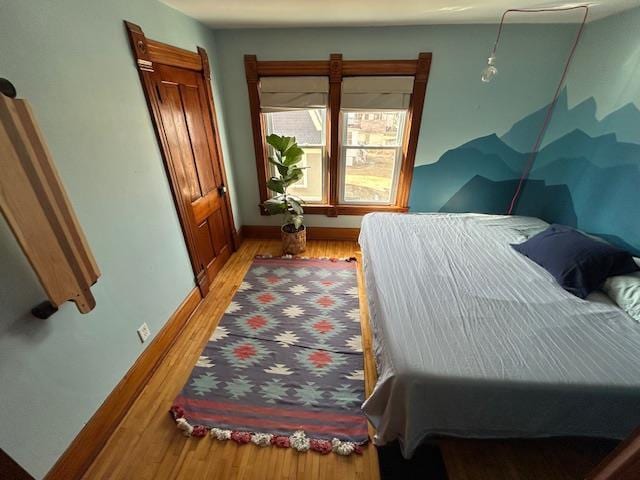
(222, 190)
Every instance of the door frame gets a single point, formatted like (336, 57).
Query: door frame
(146, 53)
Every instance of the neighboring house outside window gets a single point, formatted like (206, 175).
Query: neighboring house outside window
(371, 156)
(308, 126)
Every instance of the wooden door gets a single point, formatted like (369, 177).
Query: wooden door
(182, 104)
(178, 90)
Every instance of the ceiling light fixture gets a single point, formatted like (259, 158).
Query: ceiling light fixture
(491, 70)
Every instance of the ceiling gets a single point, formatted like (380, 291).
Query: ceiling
(309, 13)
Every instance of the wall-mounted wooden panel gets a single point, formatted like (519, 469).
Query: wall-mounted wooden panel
(38, 211)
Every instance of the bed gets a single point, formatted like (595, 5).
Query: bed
(471, 339)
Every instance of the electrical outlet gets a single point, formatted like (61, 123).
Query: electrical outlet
(144, 332)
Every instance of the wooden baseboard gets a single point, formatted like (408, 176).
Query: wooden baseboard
(87, 445)
(313, 233)
(238, 237)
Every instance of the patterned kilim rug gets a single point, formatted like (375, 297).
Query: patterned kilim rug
(285, 365)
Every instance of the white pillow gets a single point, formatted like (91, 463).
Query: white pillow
(598, 296)
(625, 291)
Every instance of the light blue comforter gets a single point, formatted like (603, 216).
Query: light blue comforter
(474, 340)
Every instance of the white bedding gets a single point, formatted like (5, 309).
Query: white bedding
(473, 339)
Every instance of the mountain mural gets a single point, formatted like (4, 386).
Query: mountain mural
(581, 117)
(488, 157)
(587, 176)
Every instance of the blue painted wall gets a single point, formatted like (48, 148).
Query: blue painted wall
(593, 143)
(588, 170)
(71, 59)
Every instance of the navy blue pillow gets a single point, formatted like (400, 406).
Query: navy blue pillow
(579, 263)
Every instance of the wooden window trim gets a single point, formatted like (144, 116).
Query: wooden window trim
(336, 66)
(336, 69)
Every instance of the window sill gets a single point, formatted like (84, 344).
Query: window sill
(335, 210)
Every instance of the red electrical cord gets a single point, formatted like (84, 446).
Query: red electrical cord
(552, 105)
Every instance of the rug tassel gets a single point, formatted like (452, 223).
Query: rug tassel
(298, 440)
(185, 426)
(220, 434)
(345, 448)
(262, 439)
(182, 424)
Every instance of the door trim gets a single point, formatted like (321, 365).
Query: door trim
(146, 53)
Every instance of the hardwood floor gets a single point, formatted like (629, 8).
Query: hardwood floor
(147, 445)
(516, 459)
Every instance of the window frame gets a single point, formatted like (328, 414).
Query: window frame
(336, 69)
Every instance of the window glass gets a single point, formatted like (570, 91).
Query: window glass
(373, 128)
(308, 126)
(371, 156)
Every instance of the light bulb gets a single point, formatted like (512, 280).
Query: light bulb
(490, 70)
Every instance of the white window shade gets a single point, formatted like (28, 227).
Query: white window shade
(279, 94)
(376, 93)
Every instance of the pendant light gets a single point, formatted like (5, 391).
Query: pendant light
(491, 70)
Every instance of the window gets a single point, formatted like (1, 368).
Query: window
(308, 126)
(371, 156)
(357, 121)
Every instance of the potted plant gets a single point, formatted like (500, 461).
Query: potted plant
(287, 156)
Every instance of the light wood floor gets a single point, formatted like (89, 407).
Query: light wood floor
(147, 445)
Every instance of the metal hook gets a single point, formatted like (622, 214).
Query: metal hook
(44, 310)
(7, 88)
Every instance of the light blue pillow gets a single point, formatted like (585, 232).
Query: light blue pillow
(625, 291)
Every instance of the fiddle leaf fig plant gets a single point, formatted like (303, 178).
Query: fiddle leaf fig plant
(287, 156)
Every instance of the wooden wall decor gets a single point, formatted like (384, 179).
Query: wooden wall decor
(38, 211)
(336, 69)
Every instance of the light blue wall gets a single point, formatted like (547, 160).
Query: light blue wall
(592, 146)
(588, 170)
(459, 107)
(607, 67)
(71, 59)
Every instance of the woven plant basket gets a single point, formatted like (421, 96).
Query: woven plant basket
(294, 243)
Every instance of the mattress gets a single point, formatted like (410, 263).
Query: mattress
(472, 339)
